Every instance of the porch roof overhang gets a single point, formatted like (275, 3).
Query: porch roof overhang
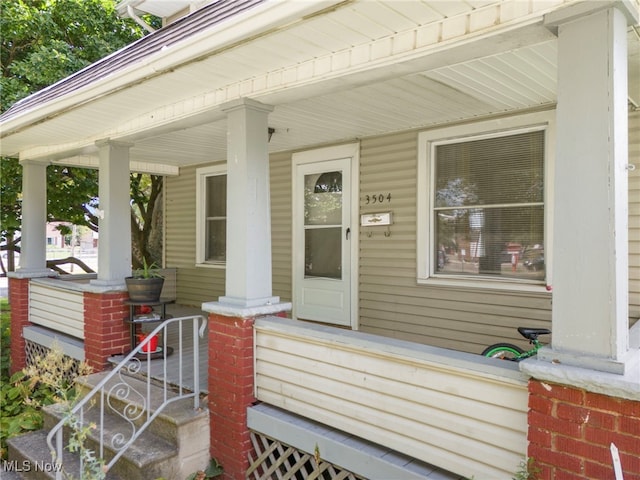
(334, 70)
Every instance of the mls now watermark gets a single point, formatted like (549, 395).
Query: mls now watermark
(29, 466)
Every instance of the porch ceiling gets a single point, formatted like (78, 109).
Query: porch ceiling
(358, 69)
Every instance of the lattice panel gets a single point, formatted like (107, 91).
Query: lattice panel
(276, 461)
(34, 350)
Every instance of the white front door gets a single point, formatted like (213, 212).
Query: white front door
(323, 236)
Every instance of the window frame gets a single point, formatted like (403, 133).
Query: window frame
(499, 127)
(201, 221)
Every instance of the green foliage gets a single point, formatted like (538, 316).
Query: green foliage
(11, 194)
(213, 470)
(18, 414)
(49, 380)
(72, 195)
(527, 470)
(5, 343)
(147, 271)
(92, 467)
(146, 219)
(42, 42)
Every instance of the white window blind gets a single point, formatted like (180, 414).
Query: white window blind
(488, 206)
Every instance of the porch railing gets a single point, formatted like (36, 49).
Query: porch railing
(53, 305)
(133, 406)
(464, 413)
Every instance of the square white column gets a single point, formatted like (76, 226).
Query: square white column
(114, 250)
(590, 237)
(248, 270)
(33, 246)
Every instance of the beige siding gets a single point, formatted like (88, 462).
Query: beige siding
(280, 177)
(391, 301)
(453, 410)
(201, 284)
(180, 219)
(195, 285)
(634, 216)
(59, 309)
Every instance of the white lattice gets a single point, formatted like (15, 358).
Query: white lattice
(273, 460)
(34, 351)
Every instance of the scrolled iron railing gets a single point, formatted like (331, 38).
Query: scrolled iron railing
(134, 405)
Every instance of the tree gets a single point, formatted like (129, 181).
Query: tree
(146, 219)
(43, 41)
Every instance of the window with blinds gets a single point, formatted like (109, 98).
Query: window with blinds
(488, 206)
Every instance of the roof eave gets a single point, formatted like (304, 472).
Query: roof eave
(244, 27)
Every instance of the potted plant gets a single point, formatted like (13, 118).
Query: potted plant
(145, 285)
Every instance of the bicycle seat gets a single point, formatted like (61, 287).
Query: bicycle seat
(532, 333)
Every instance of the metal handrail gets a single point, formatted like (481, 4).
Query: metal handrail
(124, 392)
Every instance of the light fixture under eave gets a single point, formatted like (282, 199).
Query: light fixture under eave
(270, 132)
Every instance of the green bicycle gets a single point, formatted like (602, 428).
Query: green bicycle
(508, 351)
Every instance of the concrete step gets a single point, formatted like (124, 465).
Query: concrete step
(30, 459)
(177, 418)
(173, 446)
(148, 458)
(10, 470)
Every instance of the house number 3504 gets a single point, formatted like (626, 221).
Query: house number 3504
(377, 198)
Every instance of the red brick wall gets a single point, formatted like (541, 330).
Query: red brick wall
(19, 304)
(230, 391)
(571, 430)
(105, 330)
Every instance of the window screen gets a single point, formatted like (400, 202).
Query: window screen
(488, 212)
(216, 219)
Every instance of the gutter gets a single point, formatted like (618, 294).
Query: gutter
(246, 27)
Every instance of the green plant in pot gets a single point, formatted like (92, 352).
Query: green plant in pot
(145, 285)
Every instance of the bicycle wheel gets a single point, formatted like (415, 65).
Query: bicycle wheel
(503, 351)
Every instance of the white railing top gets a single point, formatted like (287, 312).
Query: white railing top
(392, 347)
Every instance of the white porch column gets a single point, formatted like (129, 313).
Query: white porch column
(33, 247)
(590, 246)
(114, 252)
(248, 277)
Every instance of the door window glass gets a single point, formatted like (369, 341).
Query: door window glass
(323, 224)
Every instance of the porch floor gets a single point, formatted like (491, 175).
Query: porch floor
(173, 368)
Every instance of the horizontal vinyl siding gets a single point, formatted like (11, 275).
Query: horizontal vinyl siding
(634, 216)
(58, 309)
(180, 221)
(202, 284)
(391, 301)
(195, 285)
(423, 402)
(280, 176)
(198, 284)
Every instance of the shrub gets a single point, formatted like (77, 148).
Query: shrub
(5, 323)
(49, 380)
